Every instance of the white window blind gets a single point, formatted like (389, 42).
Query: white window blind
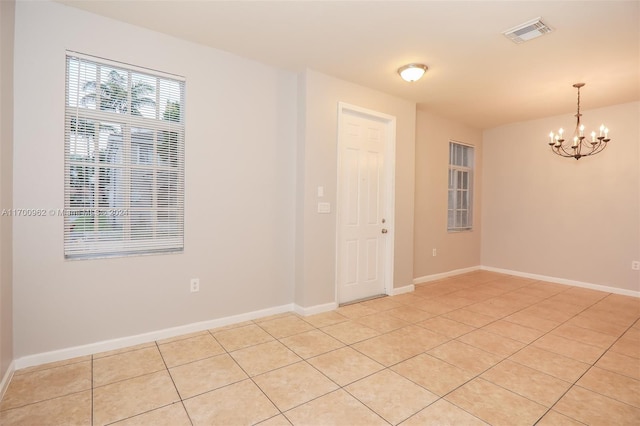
(460, 204)
(124, 159)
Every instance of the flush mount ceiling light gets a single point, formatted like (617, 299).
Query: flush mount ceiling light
(580, 146)
(412, 72)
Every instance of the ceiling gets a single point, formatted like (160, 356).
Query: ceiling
(476, 75)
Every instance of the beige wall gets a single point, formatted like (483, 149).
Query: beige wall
(240, 189)
(319, 96)
(455, 250)
(7, 10)
(558, 217)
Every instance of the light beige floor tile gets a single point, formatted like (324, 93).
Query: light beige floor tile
(492, 343)
(453, 301)
(169, 415)
(612, 314)
(410, 314)
(580, 297)
(293, 385)
(382, 322)
(420, 337)
(381, 304)
(406, 298)
(275, 316)
(284, 327)
(533, 384)
(594, 409)
(600, 325)
(326, 318)
(123, 350)
(232, 326)
(336, 408)
(553, 418)
(446, 327)
(621, 364)
(548, 362)
(471, 318)
(265, 357)
(208, 374)
(182, 337)
(627, 346)
(466, 357)
(52, 365)
(242, 337)
(311, 343)
(391, 396)
(350, 332)
(493, 308)
(432, 306)
(513, 331)
(495, 405)
(532, 321)
(279, 420)
(130, 397)
(68, 410)
(443, 413)
(584, 335)
(356, 310)
(238, 404)
(613, 385)
(569, 348)
(345, 365)
(126, 365)
(397, 346)
(189, 350)
(41, 385)
(433, 374)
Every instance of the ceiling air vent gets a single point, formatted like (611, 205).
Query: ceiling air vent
(527, 31)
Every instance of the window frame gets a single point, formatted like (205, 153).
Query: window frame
(130, 200)
(460, 194)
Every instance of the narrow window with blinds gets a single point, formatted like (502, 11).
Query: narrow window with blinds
(460, 205)
(124, 160)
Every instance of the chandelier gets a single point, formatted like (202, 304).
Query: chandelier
(580, 146)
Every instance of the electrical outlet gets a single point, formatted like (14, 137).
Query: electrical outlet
(195, 285)
(435, 252)
(635, 265)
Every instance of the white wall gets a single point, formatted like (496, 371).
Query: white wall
(455, 250)
(558, 217)
(319, 96)
(7, 9)
(240, 189)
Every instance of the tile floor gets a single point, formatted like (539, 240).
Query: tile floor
(475, 349)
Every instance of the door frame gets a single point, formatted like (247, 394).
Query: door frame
(389, 187)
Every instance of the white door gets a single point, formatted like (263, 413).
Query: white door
(364, 231)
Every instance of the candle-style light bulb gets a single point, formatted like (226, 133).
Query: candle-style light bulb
(551, 138)
(593, 136)
(606, 133)
(601, 129)
(575, 142)
(582, 130)
(560, 132)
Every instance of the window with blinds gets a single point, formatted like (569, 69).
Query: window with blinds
(124, 159)
(460, 205)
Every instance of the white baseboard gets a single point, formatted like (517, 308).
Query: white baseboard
(435, 277)
(312, 310)
(108, 345)
(6, 379)
(564, 281)
(401, 290)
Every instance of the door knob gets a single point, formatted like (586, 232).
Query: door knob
(384, 230)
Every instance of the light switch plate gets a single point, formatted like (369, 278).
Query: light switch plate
(324, 208)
